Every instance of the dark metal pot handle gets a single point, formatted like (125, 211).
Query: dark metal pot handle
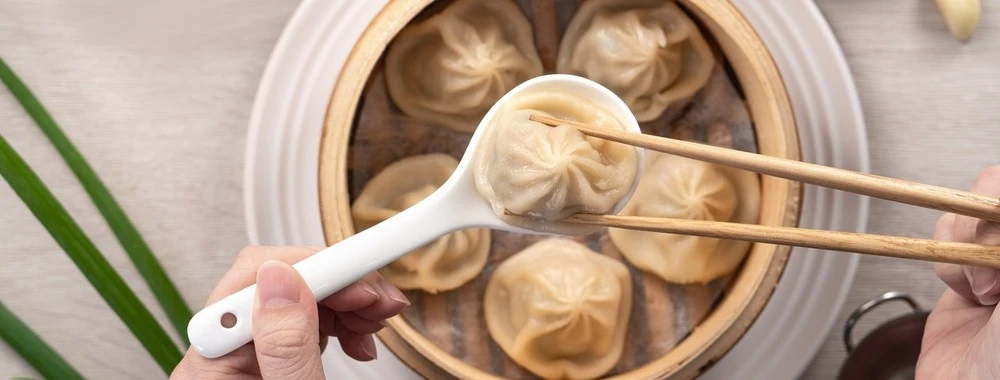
(868, 306)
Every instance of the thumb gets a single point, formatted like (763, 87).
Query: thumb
(285, 325)
(984, 282)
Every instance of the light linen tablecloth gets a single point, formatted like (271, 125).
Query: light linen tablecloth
(156, 94)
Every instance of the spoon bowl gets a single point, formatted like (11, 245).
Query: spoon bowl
(456, 205)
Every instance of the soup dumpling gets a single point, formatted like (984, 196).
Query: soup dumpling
(453, 66)
(649, 52)
(547, 173)
(441, 265)
(677, 187)
(560, 310)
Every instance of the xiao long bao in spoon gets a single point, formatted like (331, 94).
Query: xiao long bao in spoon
(458, 204)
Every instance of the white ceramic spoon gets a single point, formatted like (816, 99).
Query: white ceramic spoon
(456, 205)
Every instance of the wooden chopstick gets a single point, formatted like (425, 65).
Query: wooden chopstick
(880, 245)
(869, 244)
(913, 193)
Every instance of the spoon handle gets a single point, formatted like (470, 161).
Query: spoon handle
(325, 272)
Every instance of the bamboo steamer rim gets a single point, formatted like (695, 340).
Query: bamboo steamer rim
(751, 288)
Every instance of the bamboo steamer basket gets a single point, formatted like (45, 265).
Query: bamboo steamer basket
(746, 292)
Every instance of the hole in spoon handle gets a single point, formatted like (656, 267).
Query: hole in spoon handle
(207, 329)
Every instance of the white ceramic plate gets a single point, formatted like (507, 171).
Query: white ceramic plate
(282, 202)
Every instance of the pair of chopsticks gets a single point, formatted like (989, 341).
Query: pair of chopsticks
(917, 194)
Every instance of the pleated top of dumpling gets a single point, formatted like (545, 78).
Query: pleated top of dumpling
(689, 189)
(444, 264)
(649, 52)
(560, 310)
(451, 67)
(548, 173)
(681, 188)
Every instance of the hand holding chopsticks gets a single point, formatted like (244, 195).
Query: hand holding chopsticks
(934, 197)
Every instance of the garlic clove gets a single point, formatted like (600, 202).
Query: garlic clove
(961, 16)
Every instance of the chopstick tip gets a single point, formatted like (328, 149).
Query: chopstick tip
(548, 121)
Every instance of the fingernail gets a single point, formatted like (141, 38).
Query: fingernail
(368, 288)
(277, 285)
(392, 292)
(368, 346)
(984, 283)
(991, 300)
(983, 280)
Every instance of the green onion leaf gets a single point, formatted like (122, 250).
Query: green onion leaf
(32, 348)
(85, 255)
(166, 293)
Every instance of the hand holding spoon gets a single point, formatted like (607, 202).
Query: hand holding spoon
(456, 205)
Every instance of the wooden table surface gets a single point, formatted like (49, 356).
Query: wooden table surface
(157, 96)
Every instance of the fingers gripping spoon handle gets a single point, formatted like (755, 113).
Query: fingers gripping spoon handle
(455, 205)
(325, 272)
